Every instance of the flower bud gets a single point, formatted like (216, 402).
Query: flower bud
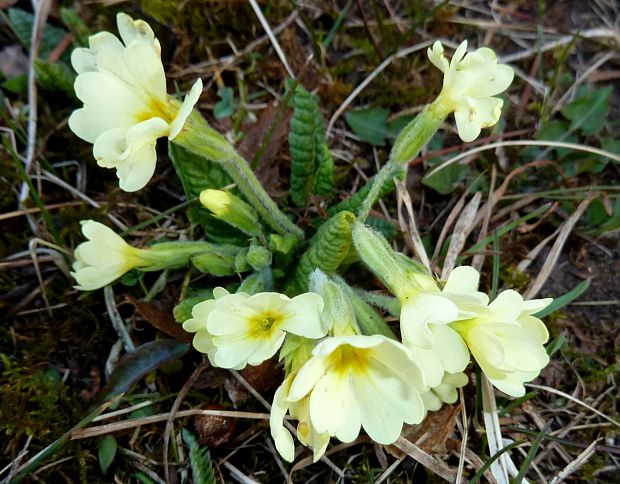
(376, 253)
(258, 257)
(232, 210)
(338, 315)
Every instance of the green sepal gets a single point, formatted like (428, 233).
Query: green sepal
(220, 261)
(369, 320)
(258, 257)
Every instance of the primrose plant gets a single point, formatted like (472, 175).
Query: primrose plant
(345, 367)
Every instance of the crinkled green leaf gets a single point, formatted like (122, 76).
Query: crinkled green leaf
(588, 111)
(328, 248)
(369, 124)
(199, 460)
(312, 165)
(386, 227)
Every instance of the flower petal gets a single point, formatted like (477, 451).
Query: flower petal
(281, 436)
(136, 170)
(474, 114)
(83, 60)
(191, 98)
(302, 316)
(334, 409)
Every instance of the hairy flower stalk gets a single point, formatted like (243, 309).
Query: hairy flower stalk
(470, 82)
(126, 107)
(199, 138)
(106, 256)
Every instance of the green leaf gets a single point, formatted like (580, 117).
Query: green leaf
(17, 84)
(385, 227)
(554, 131)
(445, 181)
(183, 311)
(21, 23)
(588, 111)
(328, 249)
(107, 451)
(556, 345)
(599, 220)
(369, 124)
(132, 367)
(199, 459)
(312, 165)
(224, 107)
(565, 299)
(76, 25)
(54, 77)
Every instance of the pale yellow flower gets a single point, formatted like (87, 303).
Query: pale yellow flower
(445, 392)
(507, 341)
(360, 381)
(306, 432)
(126, 107)
(203, 340)
(103, 258)
(469, 84)
(424, 320)
(250, 329)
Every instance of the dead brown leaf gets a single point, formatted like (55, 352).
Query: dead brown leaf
(160, 318)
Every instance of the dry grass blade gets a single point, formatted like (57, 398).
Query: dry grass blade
(573, 399)
(362, 85)
(272, 37)
(545, 144)
(117, 321)
(459, 474)
(161, 417)
(462, 229)
(493, 431)
(552, 258)
(581, 459)
(238, 475)
(427, 460)
(486, 211)
(532, 254)
(412, 229)
(173, 411)
(454, 213)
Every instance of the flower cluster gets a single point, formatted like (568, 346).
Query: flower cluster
(345, 370)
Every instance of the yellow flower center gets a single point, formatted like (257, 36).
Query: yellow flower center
(156, 108)
(263, 326)
(267, 323)
(348, 359)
